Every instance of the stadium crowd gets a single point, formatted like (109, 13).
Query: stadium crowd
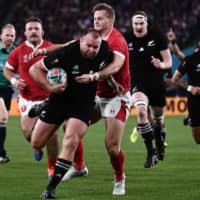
(65, 20)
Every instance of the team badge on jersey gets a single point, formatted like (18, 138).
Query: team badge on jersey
(198, 68)
(25, 58)
(151, 43)
(75, 70)
(102, 65)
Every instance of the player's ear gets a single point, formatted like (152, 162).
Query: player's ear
(82, 38)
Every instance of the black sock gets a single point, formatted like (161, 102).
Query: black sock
(2, 138)
(61, 167)
(147, 134)
(160, 134)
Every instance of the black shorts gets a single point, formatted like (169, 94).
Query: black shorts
(194, 110)
(6, 94)
(57, 112)
(156, 97)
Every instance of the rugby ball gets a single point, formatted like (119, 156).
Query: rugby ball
(56, 76)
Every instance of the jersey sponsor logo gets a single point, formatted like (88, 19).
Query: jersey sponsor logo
(91, 72)
(151, 43)
(102, 65)
(112, 111)
(55, 61)
(75, 70)
(25, 58)
(43, 113)
(198, 68)
(23, 108)
(130, 46)
(141, 49)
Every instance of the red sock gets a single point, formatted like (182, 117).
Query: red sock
(51, 162)
(118, 165)
(79, 162)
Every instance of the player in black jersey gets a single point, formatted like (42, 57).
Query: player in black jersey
(191, 67)
(177, 51)
(84, 61)
(150, 59)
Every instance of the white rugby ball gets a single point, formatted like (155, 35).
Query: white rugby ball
(56, 76)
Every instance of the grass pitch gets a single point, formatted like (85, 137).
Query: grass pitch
(176, 178)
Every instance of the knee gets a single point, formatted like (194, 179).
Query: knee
(142, 114)
(36, 145)
(3, 119)
(70, 142)
(112, 148)
(158, 121)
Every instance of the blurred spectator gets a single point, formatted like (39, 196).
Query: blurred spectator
(65, 20)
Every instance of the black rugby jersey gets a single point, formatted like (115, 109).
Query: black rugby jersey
(191, 66)
(143, 72)
(70, 59)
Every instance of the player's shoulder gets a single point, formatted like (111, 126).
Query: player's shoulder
(116, 34)
(155, 33)
(69, 50)
(18, 48)
(116, 38)
(73, 47)
(47, 43)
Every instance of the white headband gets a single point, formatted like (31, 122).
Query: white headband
(139, 18)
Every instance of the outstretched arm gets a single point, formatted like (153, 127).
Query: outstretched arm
(48, 50)
(174, 46)
(38, 72)
(194, 90)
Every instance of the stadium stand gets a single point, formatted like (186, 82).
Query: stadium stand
(65, 20)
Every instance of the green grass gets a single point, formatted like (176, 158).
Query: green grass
(177, 178)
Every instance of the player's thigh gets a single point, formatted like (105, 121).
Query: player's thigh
(27, 124)
(3, 112)
(75, 128)
(114, 130)
(42, 132)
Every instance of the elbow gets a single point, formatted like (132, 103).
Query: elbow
(169, 63)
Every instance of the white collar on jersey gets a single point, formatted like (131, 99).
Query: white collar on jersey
(31, 45)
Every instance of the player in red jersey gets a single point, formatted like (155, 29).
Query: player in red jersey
(30, 93)
(111, 105)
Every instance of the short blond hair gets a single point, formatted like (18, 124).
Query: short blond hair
(11, 26)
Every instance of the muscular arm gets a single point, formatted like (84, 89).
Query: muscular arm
(194, 90)
(56, 47)
(50, 49)
(10, 75)
(174, 46)
(113, 67)
(39, 74)
(176, 79)
(110, 69)
(167, 60)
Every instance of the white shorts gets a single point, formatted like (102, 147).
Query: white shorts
(117, 107)
(25, 105)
